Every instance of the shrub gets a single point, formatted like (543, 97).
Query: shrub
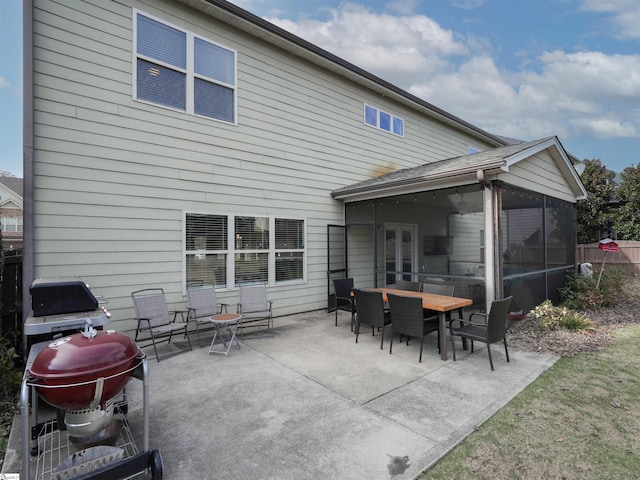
(554, 318)
(580, 291)
(10, 376)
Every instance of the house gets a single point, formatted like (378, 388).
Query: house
(11, 211)
(178, 141)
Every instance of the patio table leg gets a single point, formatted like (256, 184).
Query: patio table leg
(443, 335)
(231, 328)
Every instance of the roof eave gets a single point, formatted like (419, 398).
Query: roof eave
(421, 183)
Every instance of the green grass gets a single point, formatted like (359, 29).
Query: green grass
(578, 420)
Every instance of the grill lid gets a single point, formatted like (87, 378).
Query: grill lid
(58, 296)
(82, 370)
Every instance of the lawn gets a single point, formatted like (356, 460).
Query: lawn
(578, 420)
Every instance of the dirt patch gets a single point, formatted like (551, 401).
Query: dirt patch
(528, 335)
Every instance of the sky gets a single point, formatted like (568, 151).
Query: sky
(519, 68)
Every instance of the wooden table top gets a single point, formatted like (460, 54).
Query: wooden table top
(225, 317)
(430, 301)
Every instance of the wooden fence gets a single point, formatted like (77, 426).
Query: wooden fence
(627, 260)
(11, 295)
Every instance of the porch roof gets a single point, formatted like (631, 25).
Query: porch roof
(473, 166)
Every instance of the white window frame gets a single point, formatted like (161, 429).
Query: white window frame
(377, 125)
(16, 224)
(231, 251)
(189, 71)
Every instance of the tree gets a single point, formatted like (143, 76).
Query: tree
(595, 214)
(627, 221)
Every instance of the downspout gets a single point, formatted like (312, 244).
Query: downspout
(27, 156)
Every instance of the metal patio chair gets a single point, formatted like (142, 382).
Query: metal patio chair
(154, 320)
(370, 310)
(492, 329)
(254, 308)
(407, 318)
(344, 300)
(202, 304)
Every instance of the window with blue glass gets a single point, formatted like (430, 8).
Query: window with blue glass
(382, 120)
(370, 116)
(180, 70)
(398, 126)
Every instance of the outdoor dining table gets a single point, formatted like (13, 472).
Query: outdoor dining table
(430, 301)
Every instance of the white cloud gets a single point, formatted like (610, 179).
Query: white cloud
(468, 4)
(625, 15)
(576, 94)
(399, 48)
(605, 127)
(404, 7)
(4, 83)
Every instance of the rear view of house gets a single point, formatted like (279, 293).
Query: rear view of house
(177, 141)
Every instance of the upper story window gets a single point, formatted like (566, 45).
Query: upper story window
(377, 118)
(180, 70)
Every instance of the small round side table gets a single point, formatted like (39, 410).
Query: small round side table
(222, 322)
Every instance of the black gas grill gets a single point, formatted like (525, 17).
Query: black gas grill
(61, 306)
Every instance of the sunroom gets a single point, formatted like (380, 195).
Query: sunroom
(493, 223)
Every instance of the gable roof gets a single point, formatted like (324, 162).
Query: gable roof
(11, 189)
(12, 183)
(475, 165)
(270, 33)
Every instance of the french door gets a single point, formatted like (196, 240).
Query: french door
(400, 251)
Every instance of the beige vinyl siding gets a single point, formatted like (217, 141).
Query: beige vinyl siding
(113, 176)
(466, 230)
(360, 249)
(541, 174)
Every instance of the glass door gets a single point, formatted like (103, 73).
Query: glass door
(400, 252)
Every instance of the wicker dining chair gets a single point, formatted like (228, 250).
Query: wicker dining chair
(343, 299)
(491, 329)
(370, 311)
(408, 285)
(407, 318)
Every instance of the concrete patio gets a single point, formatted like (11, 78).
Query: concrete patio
(311, 403)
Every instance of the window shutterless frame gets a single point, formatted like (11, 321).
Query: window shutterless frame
(376, 118)
(176, 69)
(226, 249)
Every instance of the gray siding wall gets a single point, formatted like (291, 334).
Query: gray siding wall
(113, 176)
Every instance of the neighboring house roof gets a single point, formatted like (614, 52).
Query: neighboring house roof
(14, 186)
(473, 165)
(268, 32)
(12, 183)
